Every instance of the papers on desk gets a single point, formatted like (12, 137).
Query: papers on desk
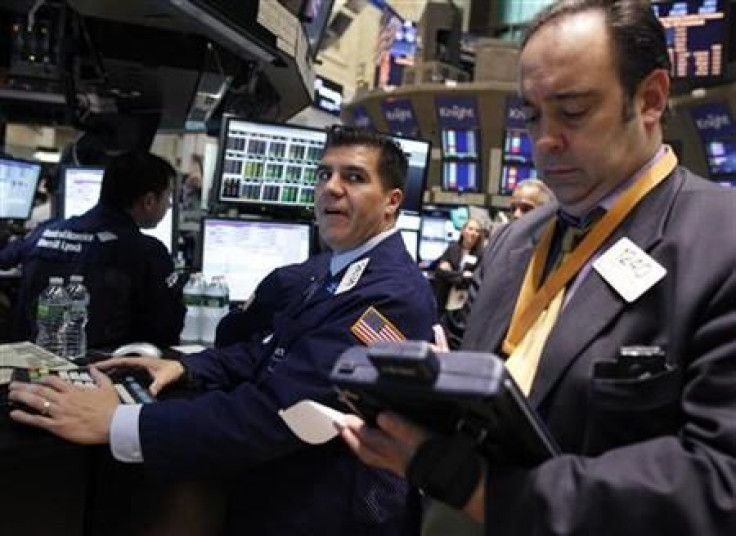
(312, 422)
(28, 355)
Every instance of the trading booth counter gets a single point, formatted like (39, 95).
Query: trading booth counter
(53, 487)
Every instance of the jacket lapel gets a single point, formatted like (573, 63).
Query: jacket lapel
(595, 304)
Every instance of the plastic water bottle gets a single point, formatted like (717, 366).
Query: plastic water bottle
(215, 307)
(51, 317)
(75, 330)
(193, 295)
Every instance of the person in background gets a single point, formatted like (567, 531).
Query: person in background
(134, 294)
(528, 195)
(368, 289)
(624, 340)
(454, 268)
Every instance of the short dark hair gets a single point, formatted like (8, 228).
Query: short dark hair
(637, 36)
(131, 175)
(392, 162)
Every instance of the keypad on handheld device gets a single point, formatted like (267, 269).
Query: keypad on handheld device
(130, 389)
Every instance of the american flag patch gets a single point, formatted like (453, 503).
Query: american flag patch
(372, 326)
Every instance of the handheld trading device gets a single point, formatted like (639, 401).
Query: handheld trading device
(453, 392)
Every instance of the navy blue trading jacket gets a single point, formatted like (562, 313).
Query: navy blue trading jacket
(133, 296)
(286, 486)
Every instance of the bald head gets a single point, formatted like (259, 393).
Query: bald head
(527, 196)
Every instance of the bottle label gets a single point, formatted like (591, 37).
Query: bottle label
(192, 299)
(49, 312)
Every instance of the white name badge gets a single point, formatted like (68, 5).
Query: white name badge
(629, 269)
(352, 276)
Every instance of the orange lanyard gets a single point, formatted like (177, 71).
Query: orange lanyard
(531, 303)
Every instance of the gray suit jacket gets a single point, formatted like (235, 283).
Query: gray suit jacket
(643, 455)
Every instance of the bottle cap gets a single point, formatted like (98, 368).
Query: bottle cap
(76, 278)
(56, 280)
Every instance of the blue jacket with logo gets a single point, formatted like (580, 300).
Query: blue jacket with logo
(283, 485)
(133, 294)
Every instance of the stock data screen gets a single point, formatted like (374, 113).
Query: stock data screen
(18, 183)
(459, 144)
(460, 176)
(696, 36)
(270, 164)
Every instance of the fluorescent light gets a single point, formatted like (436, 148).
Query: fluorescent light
(50, 156)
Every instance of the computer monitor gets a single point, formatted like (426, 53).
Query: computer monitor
(417, 152)
(441, 226)
(315, 13)
(512, 174)
(80, 191)
(246, 251)
(697, 36)
(18, 184)
(411, 241)
(262, 164)
(460, 176)
(721, 157)
(459, 143)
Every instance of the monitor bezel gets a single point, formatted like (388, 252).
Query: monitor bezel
(35, 188)
(425, 175)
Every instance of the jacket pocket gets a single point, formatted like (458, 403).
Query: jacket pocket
(629, 410)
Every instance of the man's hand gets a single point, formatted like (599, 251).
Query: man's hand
(163, 371)
(78, 414)
(391, 446)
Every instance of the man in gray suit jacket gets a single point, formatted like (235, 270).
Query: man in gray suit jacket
(648, 434)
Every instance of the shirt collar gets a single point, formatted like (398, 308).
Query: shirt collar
(341, 260)
(607, 202)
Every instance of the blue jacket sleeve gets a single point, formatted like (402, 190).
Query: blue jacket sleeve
(222, 431)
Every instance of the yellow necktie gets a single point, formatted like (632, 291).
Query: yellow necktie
(523, 362)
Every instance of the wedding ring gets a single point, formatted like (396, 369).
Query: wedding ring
(46, 408)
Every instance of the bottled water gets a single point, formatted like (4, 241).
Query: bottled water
(216, 305)
(51, 317)
(193, 297)
(75, 329)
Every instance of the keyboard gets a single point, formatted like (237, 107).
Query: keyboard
(131, 384)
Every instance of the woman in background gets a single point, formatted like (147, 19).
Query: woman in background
(454, 269)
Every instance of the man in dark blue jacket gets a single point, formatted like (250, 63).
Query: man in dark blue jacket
(367, 289)
(133, 295)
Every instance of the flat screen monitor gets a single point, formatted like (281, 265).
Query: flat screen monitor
(266, 164)
(409, 221)
(411, 241)
(459, 143)
(316, 13)
(18, 184)
(721, 156)
(697, 34)
(460, 175)
(441, 225)
(80, 191)
(512, 174)
(417, 152)
(517, 147)
(246, 251)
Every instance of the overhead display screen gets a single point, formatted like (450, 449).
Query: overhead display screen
(696, 36)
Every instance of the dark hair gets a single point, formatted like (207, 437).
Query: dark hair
(392, 162)
(637, 37)
(131, 175)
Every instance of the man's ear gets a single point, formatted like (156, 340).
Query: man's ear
(395, 198)
(654, 92)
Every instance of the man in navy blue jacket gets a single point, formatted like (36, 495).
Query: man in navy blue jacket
(367, 289)
(133, 295)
